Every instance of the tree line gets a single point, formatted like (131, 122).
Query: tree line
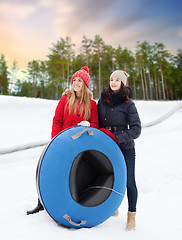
(155, 74)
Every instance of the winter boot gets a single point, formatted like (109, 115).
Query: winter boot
(131, 221)
(116, 213)
(36, 209)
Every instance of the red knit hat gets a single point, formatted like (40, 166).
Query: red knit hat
(83, 73)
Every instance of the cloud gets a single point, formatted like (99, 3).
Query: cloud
(71, 16)
(106, 18)
(15, 10)
(179, 33)
(29, 26)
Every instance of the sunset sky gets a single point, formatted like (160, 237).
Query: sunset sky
(29, 27)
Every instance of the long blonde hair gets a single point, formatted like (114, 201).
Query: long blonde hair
(84, 102)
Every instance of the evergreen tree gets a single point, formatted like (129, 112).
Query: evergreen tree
(107, 61)
(34, 73)
(59, 63)
(125, 60)
(18, 87)
(4, 81)
(25, 89)
(77, 62)
(56, 67)
(154, 73)
(162, 56)
(98, 45)
(69, 55)
(13, 74)
(177, 76)
(87, 49)
(139, 65)
(43, 77)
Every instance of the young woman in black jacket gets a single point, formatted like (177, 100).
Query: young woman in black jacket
(117, 113)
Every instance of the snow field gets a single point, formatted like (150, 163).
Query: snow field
(158, 175)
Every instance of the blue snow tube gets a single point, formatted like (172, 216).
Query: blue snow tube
(81, 177)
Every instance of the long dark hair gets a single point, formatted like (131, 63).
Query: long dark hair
(123, 90)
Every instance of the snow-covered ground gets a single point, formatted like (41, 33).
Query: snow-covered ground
(158, 175)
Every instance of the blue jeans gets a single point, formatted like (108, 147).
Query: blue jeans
(132, 193)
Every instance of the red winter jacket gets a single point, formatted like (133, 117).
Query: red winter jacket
(63, 120)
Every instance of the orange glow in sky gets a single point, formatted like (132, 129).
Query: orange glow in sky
(28, 28)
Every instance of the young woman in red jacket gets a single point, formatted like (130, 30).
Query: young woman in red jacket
(75, 108)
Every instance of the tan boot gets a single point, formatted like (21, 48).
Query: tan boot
(116, 213)
(131, 221)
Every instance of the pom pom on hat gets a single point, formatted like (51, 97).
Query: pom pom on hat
(121, 75)
(83, 73)
(85, 68)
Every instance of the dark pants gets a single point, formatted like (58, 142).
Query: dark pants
(132, 193)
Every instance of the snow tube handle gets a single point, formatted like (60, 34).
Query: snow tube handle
(68, 218)
(77, 135)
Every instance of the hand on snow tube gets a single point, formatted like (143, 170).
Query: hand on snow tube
(110, 134)
(84, 124)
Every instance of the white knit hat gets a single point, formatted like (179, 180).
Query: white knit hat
(121, 75)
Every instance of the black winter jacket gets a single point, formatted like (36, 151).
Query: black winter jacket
(121, 118)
